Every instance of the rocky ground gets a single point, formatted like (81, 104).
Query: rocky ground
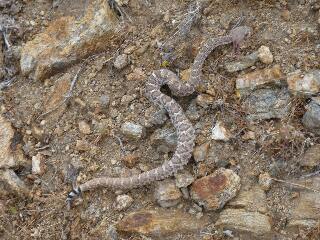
(72, 105)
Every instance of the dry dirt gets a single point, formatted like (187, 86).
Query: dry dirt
(275, 150)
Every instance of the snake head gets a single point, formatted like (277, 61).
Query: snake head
(238, 35)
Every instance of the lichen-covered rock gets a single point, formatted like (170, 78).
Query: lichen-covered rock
(243, 63)
(215, 190)
(267, 103)
(67, 40)
(204, 100)
(132, 130)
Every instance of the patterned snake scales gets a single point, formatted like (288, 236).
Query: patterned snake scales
(185, 131)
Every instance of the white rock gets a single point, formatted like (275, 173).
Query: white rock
(220, 133)
(38, 165)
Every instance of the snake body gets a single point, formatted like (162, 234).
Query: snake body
(184, 128)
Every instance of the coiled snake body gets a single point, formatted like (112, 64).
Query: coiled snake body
(184, 128)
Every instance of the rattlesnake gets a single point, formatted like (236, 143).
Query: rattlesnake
(184, 128)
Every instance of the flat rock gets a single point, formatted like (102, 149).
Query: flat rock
(254, 200)
(68, 40)
(307, 84)
(242, 221)
(215, 190)
(259, 79)
(243, 63)
(167, 193)
(311, 118)
(160, 223)
(267, 103)
(11, 153)
(11, 183)
(311, 157)
(306, 210)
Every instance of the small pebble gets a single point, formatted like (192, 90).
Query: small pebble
(84, 127)
(121, 61)
(123, 202)
(265, 55)
(265, 181)
(136, 75)
(82, 145)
